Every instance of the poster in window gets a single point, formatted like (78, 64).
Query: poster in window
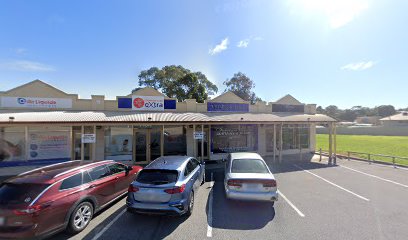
(49, 145)
(12, 146)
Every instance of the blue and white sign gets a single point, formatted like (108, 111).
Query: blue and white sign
(148, 103)
(34, 102)
(227, 107)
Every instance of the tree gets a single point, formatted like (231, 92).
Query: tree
(178, 82)
(320, 110)
(347, 115)
(385, 110)
(242, 86)
(332, 111)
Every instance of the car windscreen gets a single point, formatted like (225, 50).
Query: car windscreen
(248, 166)
(157, 176)
(21, 193)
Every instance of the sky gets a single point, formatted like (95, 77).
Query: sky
(327, 52)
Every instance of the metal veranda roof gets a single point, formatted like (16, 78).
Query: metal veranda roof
(15, 117)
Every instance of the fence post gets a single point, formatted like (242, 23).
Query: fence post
(369, 158)
(320, 151)
(348, 156)
(393, 162)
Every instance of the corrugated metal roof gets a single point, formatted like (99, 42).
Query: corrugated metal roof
(153, 117)
(402, 116)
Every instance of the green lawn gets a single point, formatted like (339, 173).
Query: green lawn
(387, 145)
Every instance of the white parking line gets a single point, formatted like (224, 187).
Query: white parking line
(370, 175)
(209, 220)
(342, 188)
(109, 225)
(291, 204)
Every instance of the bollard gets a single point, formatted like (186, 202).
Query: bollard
(369, 158)
(393, 162)
(348, 156)
(320, 150)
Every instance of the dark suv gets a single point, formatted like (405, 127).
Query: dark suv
(62, 196)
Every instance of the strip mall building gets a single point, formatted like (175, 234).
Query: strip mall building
(42, 124)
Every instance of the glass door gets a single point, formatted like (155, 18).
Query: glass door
(155, 145)
(140, 145)
(147, 144)
(205, 144)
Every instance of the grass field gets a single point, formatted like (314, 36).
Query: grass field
(386, 145)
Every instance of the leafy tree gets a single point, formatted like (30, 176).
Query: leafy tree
(242, 86)
(385, 110)
(178, 82)
(320, 110)
(347, 115)
(332, 111)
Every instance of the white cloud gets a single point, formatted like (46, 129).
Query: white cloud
(358, 66)
(243, 43)
(258, 38)
(26, 66)
(21, 50)
(220, 47)
(337, 13)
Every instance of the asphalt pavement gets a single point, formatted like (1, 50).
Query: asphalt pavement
(353, 200)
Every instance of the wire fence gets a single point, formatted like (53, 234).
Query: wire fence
(370, 157)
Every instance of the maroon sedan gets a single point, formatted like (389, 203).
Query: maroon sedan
(62, 196)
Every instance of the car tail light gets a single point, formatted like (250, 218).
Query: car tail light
(269, 183)
(30, 210)
(176, 189)
(234, 182)
(133, 188)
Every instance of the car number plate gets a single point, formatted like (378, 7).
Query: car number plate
(252, 185)
(2, 221)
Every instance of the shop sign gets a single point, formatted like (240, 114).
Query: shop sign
(199, 135)
(148, 103)
(34, 102)
(288, 108)
(227, 107)
(88, 138)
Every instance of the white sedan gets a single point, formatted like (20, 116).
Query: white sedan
(247, 177)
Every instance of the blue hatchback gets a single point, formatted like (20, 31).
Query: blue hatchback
(166, 186)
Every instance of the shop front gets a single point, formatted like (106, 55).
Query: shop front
(40, 124)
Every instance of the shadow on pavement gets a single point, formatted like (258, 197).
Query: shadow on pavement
(137, 226)
(64, 235)
(242, 215)
(289, 161)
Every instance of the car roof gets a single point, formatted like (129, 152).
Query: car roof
(245, 155)
(169, 163)
(53, 173)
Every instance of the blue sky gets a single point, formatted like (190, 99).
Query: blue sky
(341, 52)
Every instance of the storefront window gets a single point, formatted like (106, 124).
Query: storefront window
(293, 135)
(269, 139)
(119, 143)
(304, 136)
(234, 138)
(49, 143)
(175, 140)
(12, 144)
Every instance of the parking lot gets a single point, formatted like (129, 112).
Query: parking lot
(353, 200)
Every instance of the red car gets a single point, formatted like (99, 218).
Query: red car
(62, 196)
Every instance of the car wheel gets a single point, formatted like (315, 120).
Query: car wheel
(80, 217)
(190, 204)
